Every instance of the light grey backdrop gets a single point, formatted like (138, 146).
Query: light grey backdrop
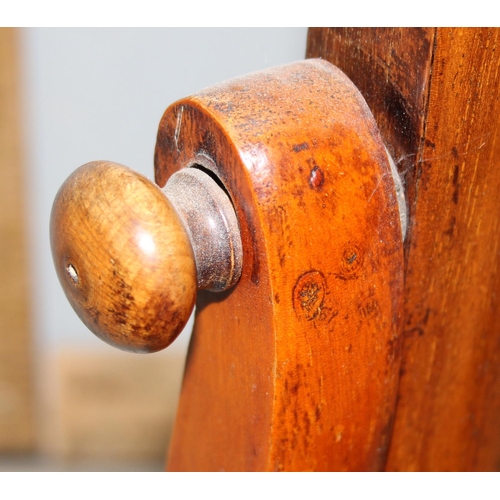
(98, 94)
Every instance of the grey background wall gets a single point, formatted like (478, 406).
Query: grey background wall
(98, 94)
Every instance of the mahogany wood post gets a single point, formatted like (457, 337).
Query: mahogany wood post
(435, 95)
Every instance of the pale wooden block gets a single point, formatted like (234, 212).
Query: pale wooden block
(114, 405)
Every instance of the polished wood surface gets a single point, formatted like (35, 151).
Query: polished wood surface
(434, 93)
(296, 367)
(123, 257)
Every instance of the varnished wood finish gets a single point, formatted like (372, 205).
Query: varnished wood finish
(123, 257)
(296, 367)
(435, 96)
(17, 426)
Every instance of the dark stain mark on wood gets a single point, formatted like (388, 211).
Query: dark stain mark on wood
(456, 184)
(316, 178)
(309, 295)
(451, 228)
(300, 147)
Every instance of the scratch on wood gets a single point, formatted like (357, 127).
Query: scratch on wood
(376, 187)
(463, 150)
(178, 126)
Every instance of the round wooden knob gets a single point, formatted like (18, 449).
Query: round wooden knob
(123, 257)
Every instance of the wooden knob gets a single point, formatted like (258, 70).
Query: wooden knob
(130, 256)
(123, 257)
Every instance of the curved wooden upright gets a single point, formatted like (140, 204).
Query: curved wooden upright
(296, 367)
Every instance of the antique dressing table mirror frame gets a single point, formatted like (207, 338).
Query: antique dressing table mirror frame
(339, 218)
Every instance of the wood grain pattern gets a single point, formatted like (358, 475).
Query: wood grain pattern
(123, 257)
(448, 79)
(17, 430)
(295, 368)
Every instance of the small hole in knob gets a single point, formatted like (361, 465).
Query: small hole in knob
(72, 274)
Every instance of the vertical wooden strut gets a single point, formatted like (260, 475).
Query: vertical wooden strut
(296, 367)
(434, 93)
(17, 422)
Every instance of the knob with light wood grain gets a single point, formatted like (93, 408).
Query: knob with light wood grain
(131, 256)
